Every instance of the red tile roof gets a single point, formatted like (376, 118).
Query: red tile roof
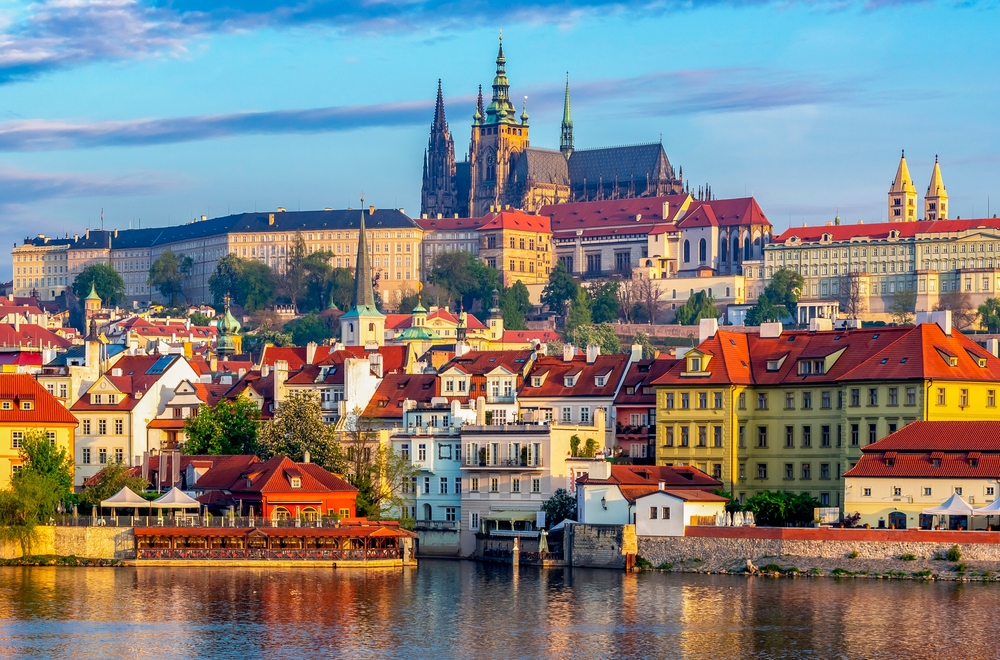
(31, 335)
(536, 336)
(480, 363)
(642, 374)
(275, 474)
(554, 370)
(135, 379)
(519, 221)
(676, 477)
(881, 230)
(729, 364)
(394, 358)
(724, 213)
(960, 436)
(403, 321)
(45, 408)
(224, 472)
(613, 216)
(295, 356)
(387, 402)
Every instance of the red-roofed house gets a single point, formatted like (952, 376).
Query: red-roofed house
(635, 409)
(519, 246)
(27, 406)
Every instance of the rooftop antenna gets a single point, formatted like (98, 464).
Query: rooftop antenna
(102, 219)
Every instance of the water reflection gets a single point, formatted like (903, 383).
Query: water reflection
(459, 610)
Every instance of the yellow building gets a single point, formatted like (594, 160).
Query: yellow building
(519, 246)
(26, 406)
(791, 411)
(920, 467)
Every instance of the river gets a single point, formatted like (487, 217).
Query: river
(463, 610)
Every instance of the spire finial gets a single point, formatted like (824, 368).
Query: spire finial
(935, 159)
(566, 129)
(524, 111)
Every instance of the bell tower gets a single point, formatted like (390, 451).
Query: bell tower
(902, 195)
(936, 199)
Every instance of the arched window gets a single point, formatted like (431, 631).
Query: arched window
(702, 251)
(746, 249)
(350, 328)
(427, 512)
(371, 327)
(687, 251)
(280, 513)
(723, 250)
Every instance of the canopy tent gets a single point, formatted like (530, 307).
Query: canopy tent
(125, 498)
(175, 498)
(953, 506)
(991, 509)
(558, 527)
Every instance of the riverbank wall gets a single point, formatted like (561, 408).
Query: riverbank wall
(89, 542)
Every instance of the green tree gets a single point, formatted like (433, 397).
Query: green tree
(199, 319)
(579, 311)
(464, 277)
(380, 474)
(249, 283)
(606, 303)
(109, 481)
(785, 288)
(298, 427)
(648, 350)
(698, 307)
(308, 328)
(231, 427)
(39, 455)
(781, 508)
(561, 506)
(901, 307)
(168, 272)
(989, 315)
(764, 311)
(341, 288)
(603, 335)
(295, 270)
(109, 284)
(515, 302)
(32, 498)
(560, 290)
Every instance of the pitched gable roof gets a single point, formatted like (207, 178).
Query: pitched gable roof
(45, 408)
(387, 402)
(611, 367)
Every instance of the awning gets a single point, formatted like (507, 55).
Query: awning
(991, 509)
(512, 516)
(125, 498)
(953, 506)
(175, 498)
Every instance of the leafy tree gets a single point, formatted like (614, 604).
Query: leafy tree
(42, 457)
(341, 288)
(579, 311)
(603, 335)
(408, 302)
(295, 270)
(199, 319)
(764, 311)
(374, 468)
(32, 498)
(298, 427)
(105, 279)
(590, 448)
(308, 328)
(733, 505)
(698, 307)
(989, 315)
(250, 283)
(642, 339)
(901, 308)
(109, 481)
(560, 290)
(960, 305)
(605, 307)
(785, 288)
(168, 272)
(781, 508)
(464, 277)
(561, 506)
(515, 302)
(231, 427)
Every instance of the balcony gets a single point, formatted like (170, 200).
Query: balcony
(508, 464)
(497, 398)
(435, 526)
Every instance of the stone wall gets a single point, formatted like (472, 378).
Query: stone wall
(601, 546)
(85, 542)
(671, 330)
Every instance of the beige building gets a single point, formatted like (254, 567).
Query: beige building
(41, 266)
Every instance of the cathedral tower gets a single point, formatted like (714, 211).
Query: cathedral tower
(902, 195)
(566, 132)
(936, 199)
(497, 136)
(438, 195)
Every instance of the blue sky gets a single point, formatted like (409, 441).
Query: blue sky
(169, 110)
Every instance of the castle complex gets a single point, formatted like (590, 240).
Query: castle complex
(503, 170)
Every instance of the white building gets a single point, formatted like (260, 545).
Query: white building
(668, 512)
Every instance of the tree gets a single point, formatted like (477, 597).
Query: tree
(32, 498)
(464, 277)
(297, 427)
(380, 474)
(515, 302)
(647, 295)
(627, 298)
(248, 282)
(698, 307)
(231, 427)
(989, 315)
(109, 481)
(901, 307)
(603, 335)
(560, 290)
(781, 508)
(785, 288)
(295, 270)
(579, 311)
(605, 307)
(642, 339)
(199, 319)
(561, 506)
(849, 295)
(764, 311)
(960, 305)
(309, 328)
(106, 281)
(41, 456)
(168, 272)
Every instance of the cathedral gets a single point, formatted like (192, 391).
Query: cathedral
(502, 170)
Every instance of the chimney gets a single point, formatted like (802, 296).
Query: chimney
(942, 318)
(280, 376)
(666, 210)
(993, 346)
(568, 351)
(600, 470)
(17, 322)
(593, 350)
(305, 456)
(636, 352)
(311, 353)
(820, 324)
(707, 329)
(770, 330)
(599, 420)
(662, 485)
(213, 364)
(461, 348)
(481, 411)
(371, 210)
(375, 363)
(265, 371)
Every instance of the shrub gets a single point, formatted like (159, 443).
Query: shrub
(666, 566)
(852, 520)
(853, 554)
(908, 557)
(770, 568)
(953, 554)
(921, 574)
(960, 567)
(642, 562)
(841, 571)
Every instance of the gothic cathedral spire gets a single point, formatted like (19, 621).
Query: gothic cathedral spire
(566, 133)
(501, 110)
(936, 199)
(438, 194)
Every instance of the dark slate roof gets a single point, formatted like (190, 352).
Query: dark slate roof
(625, 162)
(79, 352)
(542, 166)
(47, 240)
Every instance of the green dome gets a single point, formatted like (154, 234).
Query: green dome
(228, 325)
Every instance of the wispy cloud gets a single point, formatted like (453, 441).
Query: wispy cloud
(651, 95)
(19, 187)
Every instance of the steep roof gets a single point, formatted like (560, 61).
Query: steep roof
(957, 436)
(675, 477)
(519, 221)
(225, 471)
(480, 363)
(45, 408)
(724, 213)
(555, 370)
(402, 321)
(729, 363)
(387, 402)
(903, 183)
(923, 465)
(30, 335)
(541, 166)
(139, 374)
(274, 476)
(627, 162)
(640, 375)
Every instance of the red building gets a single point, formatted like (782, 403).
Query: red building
(635, 409)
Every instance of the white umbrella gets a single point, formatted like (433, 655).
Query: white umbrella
(738, 519)
(953, 506)
(748, 518)
(125, 498)
(732, 519)
(175, 498)
(991, 509)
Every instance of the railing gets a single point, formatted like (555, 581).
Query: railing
(436, 525)
(268, 554)
(507, 463)
(188, 521)
(541, 428)
(497, 398)
(523, 533)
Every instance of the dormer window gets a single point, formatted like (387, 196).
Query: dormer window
(6, 405)
(629, 390)
(694, 364)
(599, 382)
(296, 482)
(570, 381)
(536, 381)
(26, 405)
(98, 399)
(952, 361)
(811, 367)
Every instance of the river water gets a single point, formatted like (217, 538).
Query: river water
(465, 610)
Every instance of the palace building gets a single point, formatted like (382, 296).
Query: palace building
(503, 170)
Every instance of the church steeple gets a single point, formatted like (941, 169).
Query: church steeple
(439, 192)
(439, 121)
(902, 194)
(364, 325)
(936, 199)
(364, 293)
(501, 110)
(566, 133)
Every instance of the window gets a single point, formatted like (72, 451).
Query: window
(927, 492)
(718, 400)
(515, 484)
(762, 401)
(86, 427)
(872, 396)
(685, 441)
(6, 405)
(911, 396)
(702, 436)
(789, 400)
(824, 438)
(855, 397)
(421, 453)
(670, 401)
(893, 396)
(296, 482)
(867, 492)
(963, 398)
(840, 399)
(742, 401)
(585, 415)
(666, 512)
(450, 514)
(685, 400)
(86, 456)
(789, 471)
(16, 439)
(567, 415)
(458, 485)
(536, 485)
(855, 432)
(668, 440)
(762, 470)
(717, 436)
(824, 470)
(825, 400)
(991, 398)
(789, 436)
(958, 490)
(807, 436)
(26, 405)
(474, 485)
(119, 427)
(872, 433)
(404, 451)
(940, 396)
(653, 511)
(102, 427)
(897, 491)
(494, 484)
(717, 470)
(102, 456)
(427, 485)
(703, 400)
(443, 486)
(762, 436)
(807, 471)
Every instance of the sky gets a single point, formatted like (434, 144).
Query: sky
(159, 112)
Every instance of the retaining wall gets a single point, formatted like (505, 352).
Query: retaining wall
(600, 546)
(87, 542)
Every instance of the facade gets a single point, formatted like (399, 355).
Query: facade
(519, 247)
(448, 234)
(27, 406)
(114, 412)
(792, 411)
(919, 467)
(635, 408)
(439, 195)
(41, 267)
(668, 512)
(719, 236)
(166, 430)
